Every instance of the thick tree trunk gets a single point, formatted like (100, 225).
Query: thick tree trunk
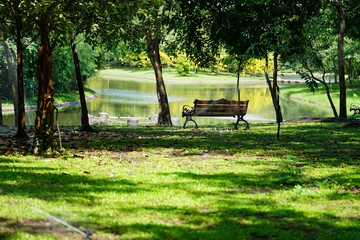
(1, 114)
(11, 77)
(21, 127)
(154, 55)
(84, 111)
(238, 86)
(341, 61)
(44, 122)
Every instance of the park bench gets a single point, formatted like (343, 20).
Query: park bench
(355, 108)
(216, 108)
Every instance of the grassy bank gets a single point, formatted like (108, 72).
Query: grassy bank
(59, 98)
(300, 92)
(170, 183)
(171, 75)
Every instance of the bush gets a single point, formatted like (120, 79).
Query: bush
(182, 65)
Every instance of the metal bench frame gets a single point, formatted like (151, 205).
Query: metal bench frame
(354, 108)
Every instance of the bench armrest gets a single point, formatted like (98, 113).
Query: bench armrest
(354, 106)
(187, 110)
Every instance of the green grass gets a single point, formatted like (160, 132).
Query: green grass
(170, 183)
(301, 93)
(171, 76)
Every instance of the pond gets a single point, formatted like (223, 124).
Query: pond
(122, 98)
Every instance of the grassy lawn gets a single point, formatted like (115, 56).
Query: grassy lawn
(170, 183)
(301, 93)
(171, 75)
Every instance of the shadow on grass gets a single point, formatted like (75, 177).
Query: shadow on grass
(47, 184)
(329, 144)
(238, 213)
(236, 217)
(315, 144)
(239, 223)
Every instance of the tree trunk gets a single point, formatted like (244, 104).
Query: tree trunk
(84, 111)
(11, 77)
(21, 127)
(238, 85)
(274, 90)
(44, 122)
(327, 89)
(333, 108)
(154, 55)
(335, 71)
(1, 114)
(341, 61)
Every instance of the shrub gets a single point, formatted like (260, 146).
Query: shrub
(182, 65)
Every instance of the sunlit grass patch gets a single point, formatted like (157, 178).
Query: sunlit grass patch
(170, 183)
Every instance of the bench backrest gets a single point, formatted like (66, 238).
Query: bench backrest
(221, 107)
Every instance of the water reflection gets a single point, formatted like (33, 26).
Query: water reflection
(129, 98)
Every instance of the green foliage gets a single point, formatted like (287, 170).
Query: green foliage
(232, 63)
(352, 59)
(63, 70)
(254, 66)
(219, 65)
(182, 64)
(63, 65)
(144, 60)
(3, 75)
(90, 58)
(309, 81)
(289, 173)
(165, 59)
(134, 55)
(128, 55)
(352, 18)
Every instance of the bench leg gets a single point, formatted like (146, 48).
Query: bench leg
(184, 126)
(240, 118)
(247, 125)
(237, 122)
(189, 118)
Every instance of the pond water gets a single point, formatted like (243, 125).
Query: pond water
(131, 98)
